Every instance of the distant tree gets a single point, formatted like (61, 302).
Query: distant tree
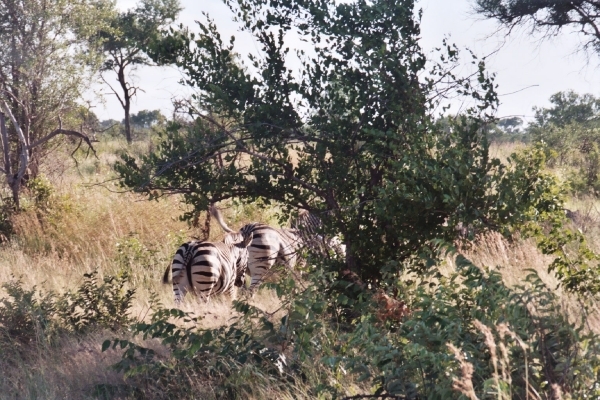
(570, 123)
(547, 16)
(568, 107)
(126, 42)
(111, 127)
(510, 125)
(147, 118)
(570, 128)
(45, 65)
(84, 117)
(107, 123)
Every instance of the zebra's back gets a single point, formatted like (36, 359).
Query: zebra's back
(208, 268)
(269, 246)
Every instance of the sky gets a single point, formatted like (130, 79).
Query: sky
(528, 70)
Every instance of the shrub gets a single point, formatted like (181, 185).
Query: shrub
(96, 305)
(229, 357)
(31, 316)
(25, 315)
(517, 340)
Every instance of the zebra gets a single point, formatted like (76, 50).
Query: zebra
(208, 268)
(269, 246)
(309, 226)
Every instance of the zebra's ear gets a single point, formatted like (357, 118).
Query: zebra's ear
(247, 240)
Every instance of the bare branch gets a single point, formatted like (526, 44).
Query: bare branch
(585, 18)
(286, 167)
(113, 90)
(67, 132)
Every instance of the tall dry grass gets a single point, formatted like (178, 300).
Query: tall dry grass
(514, 260)
(88, 224)
(91, 224)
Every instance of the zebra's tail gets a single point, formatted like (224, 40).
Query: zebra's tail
(166, 275)
(214, 211)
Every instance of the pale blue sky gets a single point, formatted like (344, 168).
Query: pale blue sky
(520, 61)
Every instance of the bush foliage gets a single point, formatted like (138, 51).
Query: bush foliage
(34, 316)
(518, 341)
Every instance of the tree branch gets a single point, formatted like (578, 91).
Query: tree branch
(113, 90)
(61, 131)
(586, 18)
(245, 149)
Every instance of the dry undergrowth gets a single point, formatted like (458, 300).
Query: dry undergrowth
(68, 371)
(91, 218)
(513, 259)
(91, 226)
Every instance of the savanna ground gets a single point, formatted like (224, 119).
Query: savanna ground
(77, 221)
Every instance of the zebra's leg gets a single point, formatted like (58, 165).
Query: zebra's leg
(179, 291)
(294, 262)
(257, 271)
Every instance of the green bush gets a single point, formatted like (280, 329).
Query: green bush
(542, 348)
(332, 345)
(96, 304)
(25, 315)
(131, 253)
(230, 357)
(32, 316)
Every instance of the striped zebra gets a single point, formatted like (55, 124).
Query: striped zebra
(269, 246)
(309, 227)
(207, 268)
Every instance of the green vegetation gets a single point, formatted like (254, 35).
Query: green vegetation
(124, 42)
(465, 275)
(350, 136)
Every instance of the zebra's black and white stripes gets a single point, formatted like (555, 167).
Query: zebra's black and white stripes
(309, 228)
(269, 246)
(207, 268)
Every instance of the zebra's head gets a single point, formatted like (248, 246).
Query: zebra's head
(241, 264)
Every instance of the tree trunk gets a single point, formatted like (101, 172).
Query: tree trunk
(12, 180)
(206, 229)
(126, 102)
(127, 123)
(351, 263)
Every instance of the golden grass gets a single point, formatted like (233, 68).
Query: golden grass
(68, 371)
(91, 226)
(503, 150)
(513, 259)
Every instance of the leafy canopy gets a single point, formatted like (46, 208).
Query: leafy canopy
(343, 128)
(147, 118)
(131, 31)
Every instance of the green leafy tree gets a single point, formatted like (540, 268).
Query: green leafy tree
(570, 128)
(511, 125)
(547, 17)
(147, 118)
(348, 134)
(568, 107)
(45, 65)
(125, 44)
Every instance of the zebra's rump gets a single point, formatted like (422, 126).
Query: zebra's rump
(208, 268)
